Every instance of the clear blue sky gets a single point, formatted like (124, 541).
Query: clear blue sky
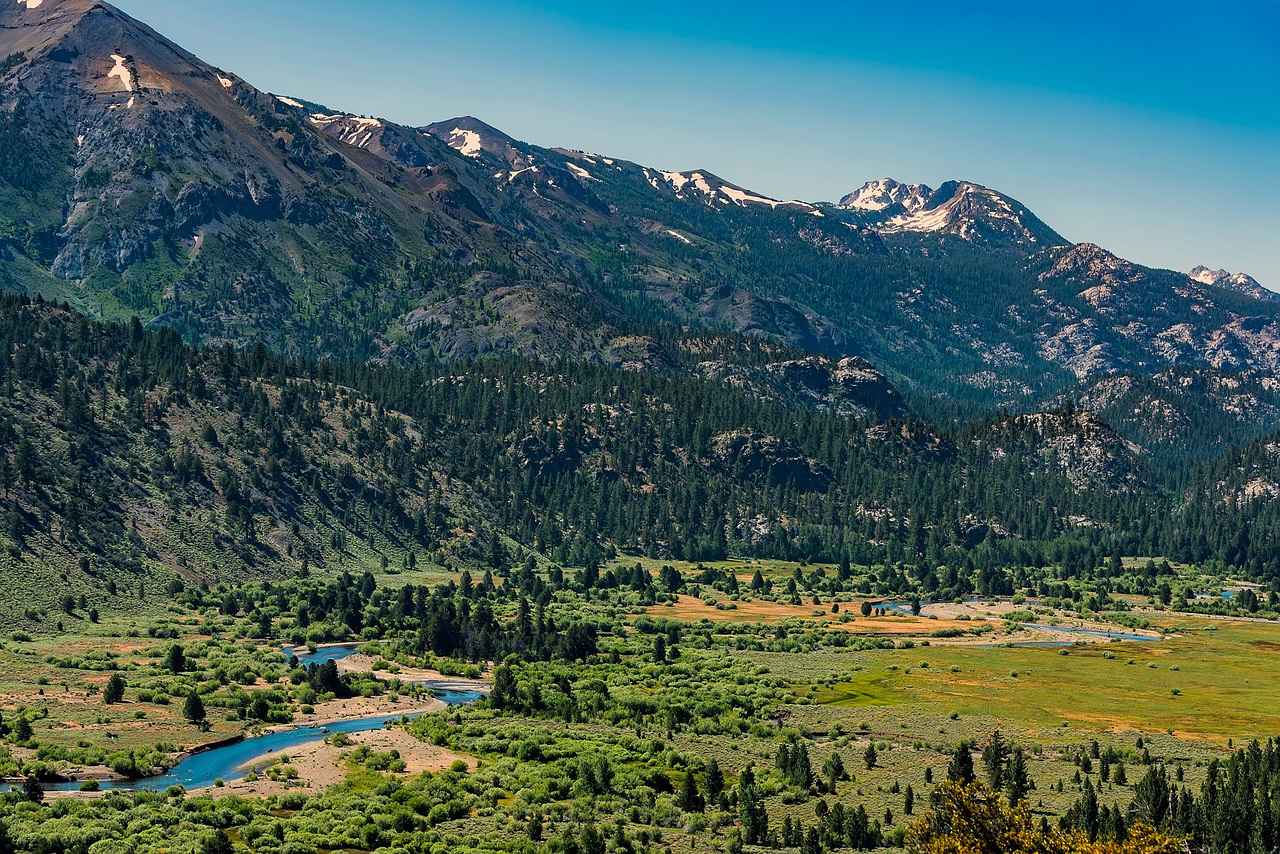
(1152, 128)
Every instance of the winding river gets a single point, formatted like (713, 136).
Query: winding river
(204, 769)
(223, 763)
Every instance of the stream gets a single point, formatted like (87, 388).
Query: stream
(223, 763)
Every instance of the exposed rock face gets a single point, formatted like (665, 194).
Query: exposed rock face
(850, 387)
(1083, 448)
(956, 209)
(141, 180)
(746, 453)
(1239, 282)
(1208, 410)
(752, 314)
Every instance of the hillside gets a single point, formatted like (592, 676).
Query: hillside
(137, 179)
(130, 457)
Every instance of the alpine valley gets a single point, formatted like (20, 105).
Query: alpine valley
(260, 356)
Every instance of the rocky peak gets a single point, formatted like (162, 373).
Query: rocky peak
(1239, 282)
(886, 194)
(472, 138)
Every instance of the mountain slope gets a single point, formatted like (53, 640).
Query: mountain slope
(127, 457)
(138, 180)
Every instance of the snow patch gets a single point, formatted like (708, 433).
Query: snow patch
(31, 4)
(467, 142)
(875, 196)
(360, 135)
(322, 119)
(292, 103)
(120, 71)
(226, 84)
(675, 179)
(80, 140)
(742, 197)
(678, 236)
(580, 172)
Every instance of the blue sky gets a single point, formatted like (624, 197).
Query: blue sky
(1150, 128)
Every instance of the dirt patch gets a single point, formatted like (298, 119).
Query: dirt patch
(321, 765)
(691, 609)
(361, 663)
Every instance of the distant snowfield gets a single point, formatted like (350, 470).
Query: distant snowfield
(292, 103)
(226, 84)
(31, 4)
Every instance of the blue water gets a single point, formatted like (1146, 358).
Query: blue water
(323, 654)
(222, 763)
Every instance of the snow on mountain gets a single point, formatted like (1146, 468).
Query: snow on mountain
(1240, 282)
(957, 208)
(956, 214)
(467, 142)
(474, 139)
(877, 196)
(715, 190)
(580, 172)
(353, 130)
(122, 72)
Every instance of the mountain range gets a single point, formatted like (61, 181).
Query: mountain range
(136, 179)
(247, 334)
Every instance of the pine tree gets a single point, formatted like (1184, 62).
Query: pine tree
(961, 768)
(994, 756)
(833, 770)
(175, 659)
(504, 688)
(713, 782)
(751, 808)
(193, 708)
(113, 692)
(690, 799)
(1016, 780)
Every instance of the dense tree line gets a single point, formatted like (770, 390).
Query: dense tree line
(575, 462)
(1236, 809)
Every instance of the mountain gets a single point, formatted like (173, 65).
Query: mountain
(137, 179)
(1182, 414)
(128, 458)
(1241, 282)
(957, 208)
